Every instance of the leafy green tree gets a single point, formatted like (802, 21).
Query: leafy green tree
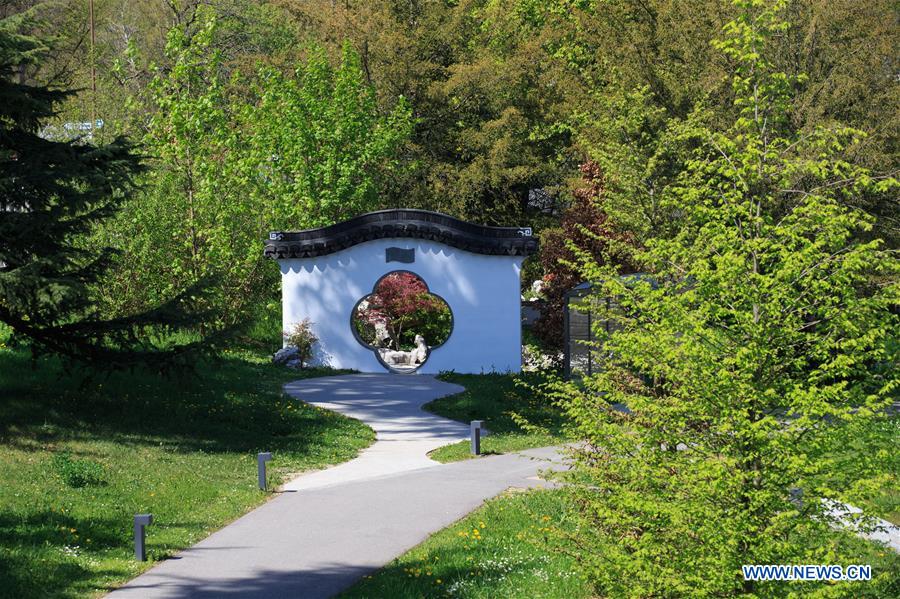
(631, 69)
(484, 100)
(234, 159)
(190, 223)
(765, 340)
(314, 146)
(52, 194)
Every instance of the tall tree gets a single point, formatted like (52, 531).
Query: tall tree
(768, 340)
(52, 194)
(234, 157)
(629, 67)
(186, 223)
(585, 229)
(482, 92)
(317, 137)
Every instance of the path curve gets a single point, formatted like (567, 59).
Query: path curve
(392, 405)
(329, 528)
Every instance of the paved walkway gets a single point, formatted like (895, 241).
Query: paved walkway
(392, 405)
(885, 532)
(329, 528)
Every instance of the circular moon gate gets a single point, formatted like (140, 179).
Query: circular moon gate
(401, 321)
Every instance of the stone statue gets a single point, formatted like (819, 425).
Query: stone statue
(406, 358)
(382, 336)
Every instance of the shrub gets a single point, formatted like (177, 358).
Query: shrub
(78, 473)
(535, 360)
(766, 345)
(302, 337)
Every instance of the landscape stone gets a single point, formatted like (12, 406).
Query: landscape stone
(285, 355)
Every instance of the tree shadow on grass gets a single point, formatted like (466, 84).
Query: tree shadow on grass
(38, 553)
(230, 405)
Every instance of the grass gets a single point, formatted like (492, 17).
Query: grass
(80, 457)
(886, 505)
(508, 548)
(496, 551)
(502, 404)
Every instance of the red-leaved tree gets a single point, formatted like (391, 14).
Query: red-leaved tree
(403, 304)
(586, 213)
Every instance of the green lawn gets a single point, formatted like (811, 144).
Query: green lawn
(502, 404)
(79, 457)
(496, 551)
(510, 548)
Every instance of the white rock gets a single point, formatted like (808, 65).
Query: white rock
(285, 355)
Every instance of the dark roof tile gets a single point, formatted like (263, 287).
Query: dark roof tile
(401, 224)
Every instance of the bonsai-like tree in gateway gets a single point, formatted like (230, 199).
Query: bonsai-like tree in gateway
(404, 306)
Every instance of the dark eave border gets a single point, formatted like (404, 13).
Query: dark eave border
(402, 223)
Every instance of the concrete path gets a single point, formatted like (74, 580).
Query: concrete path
(329, 528)
(846, 514)
(392, 405)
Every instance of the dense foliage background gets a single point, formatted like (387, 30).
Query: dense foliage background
(742, 155)
(255, 116)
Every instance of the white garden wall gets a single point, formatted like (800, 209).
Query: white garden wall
(482, 291)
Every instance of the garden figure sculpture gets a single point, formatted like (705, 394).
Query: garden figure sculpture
(407, 358)
(381, 334)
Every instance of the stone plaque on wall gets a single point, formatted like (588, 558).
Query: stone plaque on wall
(401, 255)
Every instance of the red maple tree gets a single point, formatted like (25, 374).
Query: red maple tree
(401, 301)
(585, 213)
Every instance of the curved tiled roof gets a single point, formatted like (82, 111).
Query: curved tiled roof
(402, 223)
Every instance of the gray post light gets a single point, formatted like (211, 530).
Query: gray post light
(475, 428)
(140, 549)
(261, 460)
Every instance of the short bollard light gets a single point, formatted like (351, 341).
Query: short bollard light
(476, 436)
(140, 522)
(261, 460)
